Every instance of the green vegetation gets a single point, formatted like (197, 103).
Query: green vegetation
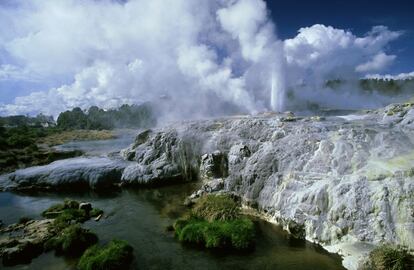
(212, 207)
(77, 135)
(237, 233)
(216, 222)
(68, 212)
(117, 254)
(127, 116)
(388, 87)
(388, 257)
(19, 147)
(72, 240)
(22, 120)
(25, 141)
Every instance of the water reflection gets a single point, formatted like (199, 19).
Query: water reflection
(141, 216)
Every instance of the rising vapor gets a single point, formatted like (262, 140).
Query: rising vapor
(193, 58)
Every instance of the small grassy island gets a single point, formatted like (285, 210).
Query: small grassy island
(216, 222)
(117, 254)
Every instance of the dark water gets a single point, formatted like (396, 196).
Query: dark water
(140, 217)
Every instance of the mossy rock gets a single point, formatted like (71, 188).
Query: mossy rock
(117, 254)
(388, 257)
(68, 212)
(71, 241)
(56, 209)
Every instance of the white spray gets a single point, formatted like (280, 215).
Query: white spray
(277, 91)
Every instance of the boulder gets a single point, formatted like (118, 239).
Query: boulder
(86, 206)
(214, 165)
(20, 243)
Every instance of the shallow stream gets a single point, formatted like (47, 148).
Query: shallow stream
(141, 218)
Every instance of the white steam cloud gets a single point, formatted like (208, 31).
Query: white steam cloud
(192, 57)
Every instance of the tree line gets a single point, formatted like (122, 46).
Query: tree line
(126, 116)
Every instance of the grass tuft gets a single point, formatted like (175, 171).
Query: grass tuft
(216, 207)
(388, 257)
(117, 254)
(72, 241)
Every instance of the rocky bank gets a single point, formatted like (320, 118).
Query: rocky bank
(345, 182)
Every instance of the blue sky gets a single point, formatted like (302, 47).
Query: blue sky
(55, 55)
(359, 16)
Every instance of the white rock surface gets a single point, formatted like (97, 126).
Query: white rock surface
(73, 173)
(347, 184)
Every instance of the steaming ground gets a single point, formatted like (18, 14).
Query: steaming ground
(192, 58)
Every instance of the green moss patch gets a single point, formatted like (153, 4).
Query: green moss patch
(67, 213)
(216, 222)
(117, 254)
(72, 240)
(388, 257)
(238, 233)
(216, 207)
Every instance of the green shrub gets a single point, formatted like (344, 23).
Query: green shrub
(72, 240)
(237, 233)
(216, 207)
(117, 254)
(387, 257)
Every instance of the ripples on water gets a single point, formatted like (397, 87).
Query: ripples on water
(141, 216)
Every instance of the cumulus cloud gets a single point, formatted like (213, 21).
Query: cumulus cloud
(378, 62)
(320, 52)
(191, 57)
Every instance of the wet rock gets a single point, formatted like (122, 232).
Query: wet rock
(20, 243)
(339, 182)
(165, 157)
(74, 173)
(213, 185)
(86, 206)
(297, 230)
(214, 165)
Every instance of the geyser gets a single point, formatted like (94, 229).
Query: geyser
(209, 57)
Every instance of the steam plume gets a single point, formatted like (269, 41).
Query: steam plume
(190, 57)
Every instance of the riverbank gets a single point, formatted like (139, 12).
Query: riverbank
(345, 182)
(141, 218)
(24, 147)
